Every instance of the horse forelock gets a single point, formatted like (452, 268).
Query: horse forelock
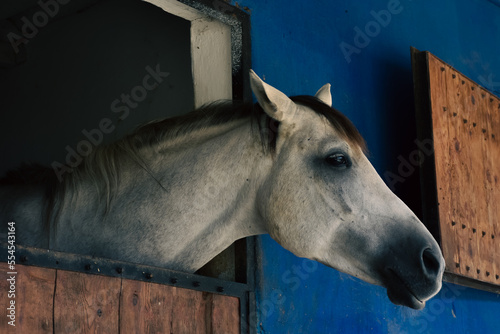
(339, 121)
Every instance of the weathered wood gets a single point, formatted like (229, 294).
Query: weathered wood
(34, 295)
(465, 131)
(53, 300)
(86, 303)
(154, 308)
(190, 311)
(145, 307)
(225, 315)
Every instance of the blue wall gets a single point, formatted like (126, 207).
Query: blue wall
(296, 46)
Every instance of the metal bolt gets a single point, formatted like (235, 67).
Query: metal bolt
(173, 280)
(149, 275)
(99, 312)
(487, 273)
(119, 270)
(23, 258)
(467, 268)
(478, 271)
(483, 233)
(220, 289)
(473, 230)
(453, 223)
(453, 76)
(88, 267)
(457, 265)
(463, 226)
(196, 284)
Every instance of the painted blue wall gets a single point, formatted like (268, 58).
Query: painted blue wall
(296, 46)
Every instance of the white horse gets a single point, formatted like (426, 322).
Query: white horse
(179, 191)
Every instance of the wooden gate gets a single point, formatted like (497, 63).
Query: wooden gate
(104, 296)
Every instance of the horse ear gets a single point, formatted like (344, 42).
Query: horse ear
(275, 104)
(324, 94)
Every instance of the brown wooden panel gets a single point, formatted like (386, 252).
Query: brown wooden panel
(465, 121)
(191, 312)
(34, 295)
(225, 315)
(155, 308)
(145, 307)
(86, 303)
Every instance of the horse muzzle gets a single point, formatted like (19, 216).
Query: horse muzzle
(410, 282)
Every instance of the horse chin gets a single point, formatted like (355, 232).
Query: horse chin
(405, 298)
(400, 294)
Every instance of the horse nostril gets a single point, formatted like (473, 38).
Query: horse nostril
(431, 261)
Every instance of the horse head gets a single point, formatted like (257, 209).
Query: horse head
(324, 200)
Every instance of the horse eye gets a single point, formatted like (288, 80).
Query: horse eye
(338, 160)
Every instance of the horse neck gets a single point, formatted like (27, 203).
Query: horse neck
(215, 172)
(190, 198)
(24, 205)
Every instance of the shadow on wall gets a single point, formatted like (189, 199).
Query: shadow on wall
(126, 62)
(404, 152)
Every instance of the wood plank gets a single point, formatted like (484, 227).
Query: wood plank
(145, 307)
(34, 295)
(154, 308)
(86, 303)
(439, 102)
(225, 315)
(191, 311)
(466, 129)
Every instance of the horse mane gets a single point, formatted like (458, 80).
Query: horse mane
(102, 165)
